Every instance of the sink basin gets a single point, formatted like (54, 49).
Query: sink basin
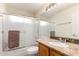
(59, 44)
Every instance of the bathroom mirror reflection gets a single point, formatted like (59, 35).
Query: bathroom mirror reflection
(66, 21)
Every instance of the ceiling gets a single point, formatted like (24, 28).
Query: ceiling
(33, 8)
(56, 9)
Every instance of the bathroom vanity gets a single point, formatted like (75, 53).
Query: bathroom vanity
(47, 49)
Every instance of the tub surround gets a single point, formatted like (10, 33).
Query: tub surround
(72, 50)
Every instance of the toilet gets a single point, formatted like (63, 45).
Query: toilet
(32, 51)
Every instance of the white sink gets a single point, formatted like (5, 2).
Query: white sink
(59, 44)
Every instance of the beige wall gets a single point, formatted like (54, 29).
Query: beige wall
(9, 10)
(2, 8)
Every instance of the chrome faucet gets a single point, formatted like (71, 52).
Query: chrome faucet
(62, 40)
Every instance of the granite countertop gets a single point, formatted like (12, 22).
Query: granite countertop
(72, 50)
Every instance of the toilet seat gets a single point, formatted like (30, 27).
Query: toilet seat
(32, 50)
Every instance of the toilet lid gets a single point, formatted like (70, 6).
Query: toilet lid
(32, 49)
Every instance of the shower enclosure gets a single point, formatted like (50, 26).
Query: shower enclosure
(20, 32)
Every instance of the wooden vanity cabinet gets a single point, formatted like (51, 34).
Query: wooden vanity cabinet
(47, 51)
(43, 50)
(55, 53)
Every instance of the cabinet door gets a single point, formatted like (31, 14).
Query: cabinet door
(43, 50)
(54, 53)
